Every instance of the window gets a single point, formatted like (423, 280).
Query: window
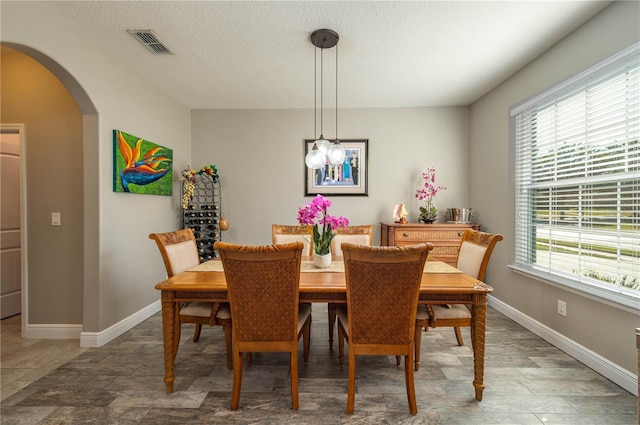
(577, 181)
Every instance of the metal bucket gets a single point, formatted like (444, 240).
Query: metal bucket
(460, 215)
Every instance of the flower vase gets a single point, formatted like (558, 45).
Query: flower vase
(321, 261)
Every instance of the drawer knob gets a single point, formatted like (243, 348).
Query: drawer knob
(460, 234)
(405, 234)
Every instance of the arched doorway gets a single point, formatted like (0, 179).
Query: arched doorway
(61, 134)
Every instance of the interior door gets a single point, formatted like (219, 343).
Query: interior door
(10, 215)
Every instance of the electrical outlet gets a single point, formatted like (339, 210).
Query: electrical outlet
(562, 308)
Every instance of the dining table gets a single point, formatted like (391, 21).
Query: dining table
(441, 284)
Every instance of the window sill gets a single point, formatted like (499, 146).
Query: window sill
(618, 299)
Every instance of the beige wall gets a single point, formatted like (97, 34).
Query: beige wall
(53, 145)
(259, 154)
(121, 265)
(606, 330)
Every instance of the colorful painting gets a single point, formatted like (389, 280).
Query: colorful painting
(140, 166)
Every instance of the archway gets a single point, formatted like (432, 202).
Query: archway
(89, 200)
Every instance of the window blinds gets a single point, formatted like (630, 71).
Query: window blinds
(577, 162)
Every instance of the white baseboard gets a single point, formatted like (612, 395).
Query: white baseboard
(606, 368)
(62, 331)
(98, 339)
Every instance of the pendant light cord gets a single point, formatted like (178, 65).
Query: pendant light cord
(315, 94)
(321, 89)
(337, 93)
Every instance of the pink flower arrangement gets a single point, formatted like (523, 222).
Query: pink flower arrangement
(429, 212)
(315, 214)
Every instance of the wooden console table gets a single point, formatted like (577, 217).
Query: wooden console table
(445, 237)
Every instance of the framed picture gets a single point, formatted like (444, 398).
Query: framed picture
(140, 166)
(346, 179)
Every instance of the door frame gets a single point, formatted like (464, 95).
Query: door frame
(24, 281)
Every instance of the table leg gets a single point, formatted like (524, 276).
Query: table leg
(169, 324)
(479, 311)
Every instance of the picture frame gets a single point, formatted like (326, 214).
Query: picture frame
(141, 166)
(340, 180)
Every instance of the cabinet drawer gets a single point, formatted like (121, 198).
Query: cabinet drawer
(431, 235)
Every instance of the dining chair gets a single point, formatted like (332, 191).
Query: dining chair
(283, 233)
(360, 235)
(179, 253)
(474, 253)
(383, 285)
(263, 287)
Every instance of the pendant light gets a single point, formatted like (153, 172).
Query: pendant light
(323, 150)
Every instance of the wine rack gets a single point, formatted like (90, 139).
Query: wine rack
(202, 215)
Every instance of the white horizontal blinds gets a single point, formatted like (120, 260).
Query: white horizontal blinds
(578, 177)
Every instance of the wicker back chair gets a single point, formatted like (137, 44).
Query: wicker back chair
(179, 253)
(383, 285)
(359, 235)
(263, 286)
(282, 233)
(473, 258)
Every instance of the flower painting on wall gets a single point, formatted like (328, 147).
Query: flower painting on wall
(140, 166)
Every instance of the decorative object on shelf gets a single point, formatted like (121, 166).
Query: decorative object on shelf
(323, 150)
(400, 214)
(202, 208)
(189, 181)
(428, 213)
(140, 166)
(315, 214)
(346, 179)
(459, 215)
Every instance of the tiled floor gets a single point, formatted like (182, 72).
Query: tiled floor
(528, 382)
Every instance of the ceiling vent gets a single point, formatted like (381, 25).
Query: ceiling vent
(149, 40)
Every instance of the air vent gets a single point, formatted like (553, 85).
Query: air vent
(149, 40)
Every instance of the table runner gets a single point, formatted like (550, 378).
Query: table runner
(335, 267)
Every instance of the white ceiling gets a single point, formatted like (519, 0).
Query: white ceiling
(254, 54)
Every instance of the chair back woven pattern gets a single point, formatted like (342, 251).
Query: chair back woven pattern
(263, 284)
(383, 284)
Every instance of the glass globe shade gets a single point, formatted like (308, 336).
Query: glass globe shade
(315, 159)
(323, 145)
(336, 153)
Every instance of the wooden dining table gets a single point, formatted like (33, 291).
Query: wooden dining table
(441, 284)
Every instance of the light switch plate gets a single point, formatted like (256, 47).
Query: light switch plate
(55, 219)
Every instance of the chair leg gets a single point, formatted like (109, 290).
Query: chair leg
(306, 341)
(340, 345)
(458, 335)
(196, 334)
(397, 360)
(332, 321)
(237, 380)
(229, 344)
(418, 345)
(294, 379)
(411, 389)
(351, 386)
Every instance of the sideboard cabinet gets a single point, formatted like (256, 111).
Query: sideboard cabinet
(445, 237)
